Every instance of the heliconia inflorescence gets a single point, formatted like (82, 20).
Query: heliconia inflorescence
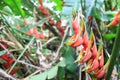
(45, 12)
(115, 20)
(6, 56)
(89, 54)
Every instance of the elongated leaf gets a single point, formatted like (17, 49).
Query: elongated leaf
(41, 76)
(109, 36)
(15, 5)
(52, 72)
(6, 10)
(114, 55)
(48, 74)
(62, 63)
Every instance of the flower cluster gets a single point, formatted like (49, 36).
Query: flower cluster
(45, 12)
(89, 54)
(115, 20)
(8, 61)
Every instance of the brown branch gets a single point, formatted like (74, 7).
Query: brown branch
(4, 74)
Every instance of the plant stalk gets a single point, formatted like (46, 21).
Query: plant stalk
(114, 55)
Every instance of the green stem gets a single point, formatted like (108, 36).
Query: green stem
(114, 55)
(21, 54)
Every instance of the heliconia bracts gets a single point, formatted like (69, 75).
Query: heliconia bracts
(90, 54)
(115, 20)
(8, 60)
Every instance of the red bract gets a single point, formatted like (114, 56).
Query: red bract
(101, 61)
(78, 42)
(43, 26)
(14, 71)
(115, 21)
(30, 32)
(94, 50)
(40, 1)
(8, 61)
(51, 22)
(100, 56)
(72, 40)
(35, 31)
(44, 11)
(92, 64)
(87, 55)
(100, 73)
(76, 26)
(41, 8)
(6, 65)
(40, 36)
(85, 40)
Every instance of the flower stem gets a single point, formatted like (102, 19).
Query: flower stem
(114, 55)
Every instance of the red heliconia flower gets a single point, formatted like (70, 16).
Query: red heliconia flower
(7, 65)
(30, 32)
(40, 36)
(61, 30)
(41, 8)
(85, 39)
(76, 25)
(40, 1)
(14, 71)
(115, 21)
(86, 55)
(45, 11)
(100, 56)
(37, 36)
(92, 65)
(51, 22)
(4, 57)
(101, 60)
(94, 50)
(11, 60)
(78, 42)
(35, 31)
(74, 41)
(43, 26)
(100, 73)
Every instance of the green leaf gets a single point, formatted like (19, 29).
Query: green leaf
(52, 72)
(41, 76)
(15, 5)
(45, 51)
(61, 73)
(109, 36)
(2, 52)
(45, 75)
(6, 10)
(118, 3)
(115, 54)
(62, 63)
(28, 7)
(26, 28)
(58, 4)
